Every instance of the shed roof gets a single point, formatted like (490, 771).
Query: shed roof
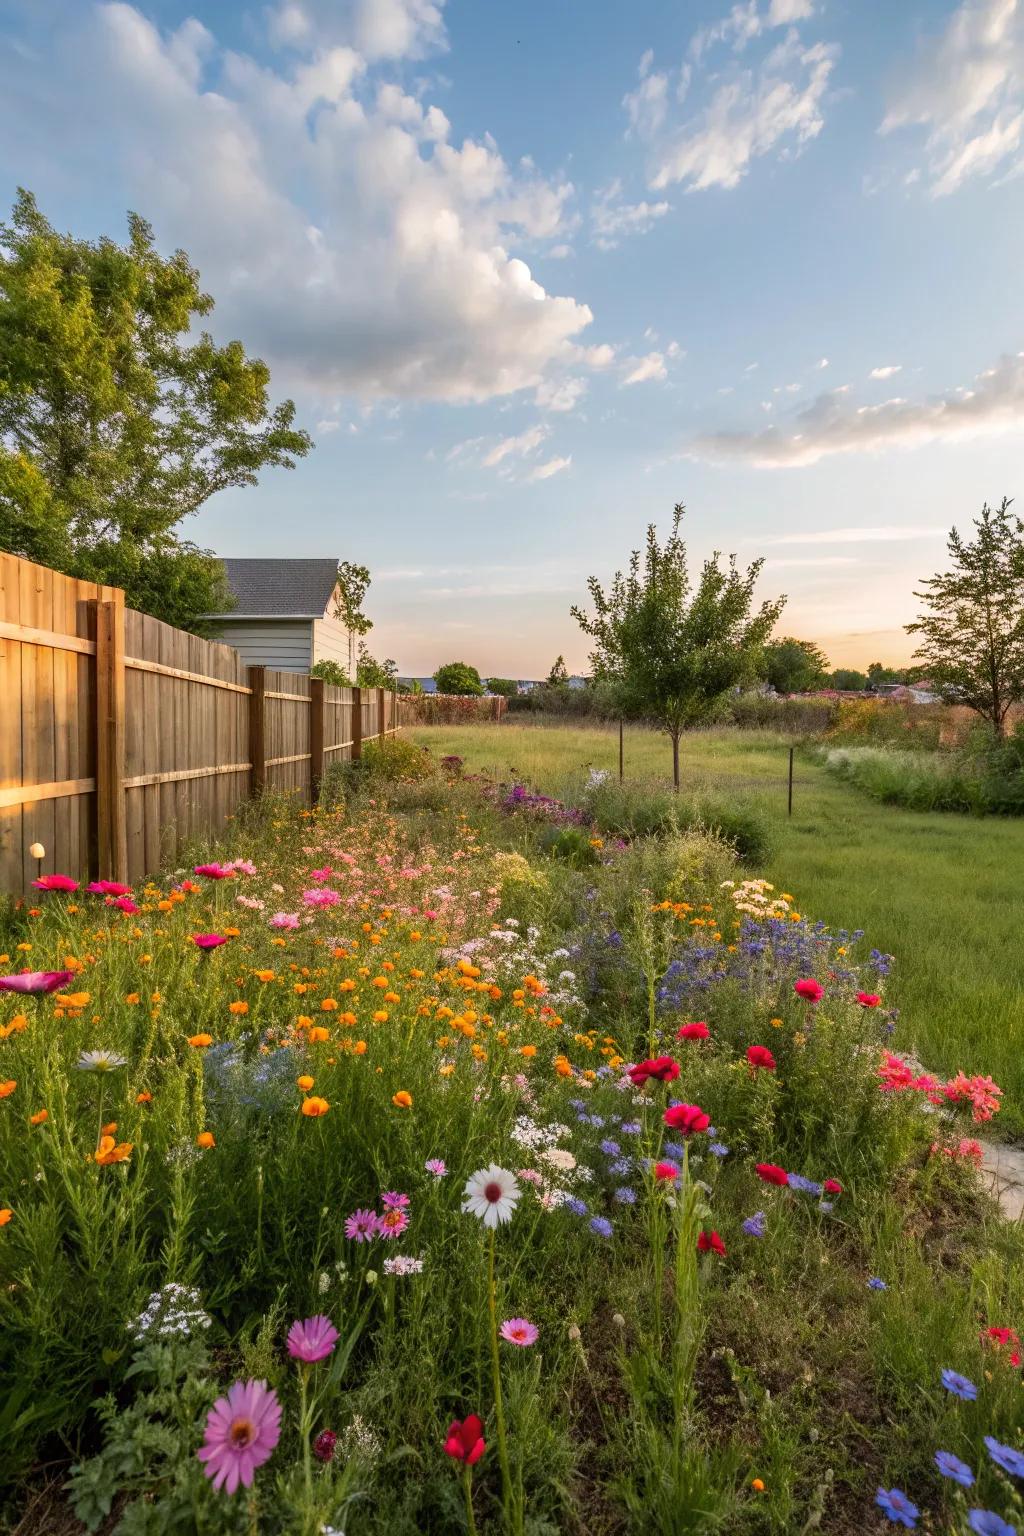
(280, 588)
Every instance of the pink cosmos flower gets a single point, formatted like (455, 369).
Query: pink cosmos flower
(322, 898)
(392, 1224)
(208, 940)
(214, 871)
(361, 1226)
(810, 990)
(394, 1201)
(55, 883)
(241, 1432)
(436, 1166)
(312, 1339)
(36, 981)
(518, 1330)
(108, 888)
(285, 920)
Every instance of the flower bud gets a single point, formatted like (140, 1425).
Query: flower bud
(37, 851)
(371, 1277)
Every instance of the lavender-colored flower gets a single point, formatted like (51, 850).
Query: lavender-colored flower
(718, 1150)
(312, 1339)
(577, 1206)
(631, 1127)
(756, 1225)
(984, 1523)
(959, 1386)
(436, 1166)
(625, 1196)
(394, 1201)
(805, 1186)
(610, 1148)
(601, 1225)
(875, 1284)
(894, 1503)
(241, 1432)
(1005, 1456)
(952, 1467)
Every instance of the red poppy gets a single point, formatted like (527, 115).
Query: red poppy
(761, 1056)
(868, 999)
(710, 1242)
(832, 1187)
(55, 883)
(698, 1031)
(666, 1171)
(687, 1118)
(465, 1441)
(771, 1173)
(810, 990)
(661, 1067)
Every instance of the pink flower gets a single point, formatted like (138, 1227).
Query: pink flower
(242, 1430)
(243, 866)
(55, 883)
(394, 1201)
(436, 1166)
(208, 940)
(465, 1441)
(392, 1224)
(214, 871)
(663, 1068)
(285, 920)
(687, 1118)
(810, 990)
(868, 999)
(322, 898)
(320, 875)
(361, 1226)
(894, 1075)
(312, 1339)
(36, 981)
(982, 1092)
(761, 1056)
(518, 1330)
(108, 888)
(323, 1445)
(666, 1171)
(125, 904)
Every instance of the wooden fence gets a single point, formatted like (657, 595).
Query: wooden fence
(122, 738)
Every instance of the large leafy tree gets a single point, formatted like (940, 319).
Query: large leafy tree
(795, 666)
(116, 420)
(972, 635)
(458, 677)
(674, 649)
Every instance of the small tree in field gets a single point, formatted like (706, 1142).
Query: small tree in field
(795, 666)
(972, 638)
(675, 650)
(458, 677)
(559, 674)
(504, 687)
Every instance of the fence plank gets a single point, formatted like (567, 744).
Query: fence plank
(110, 740)
(357, 724)
(316, 737)
(257, 677)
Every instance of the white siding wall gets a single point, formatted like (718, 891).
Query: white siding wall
(285, 644)
(332, 642)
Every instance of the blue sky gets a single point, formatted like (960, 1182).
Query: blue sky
(534, 273)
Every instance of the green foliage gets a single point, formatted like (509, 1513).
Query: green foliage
(505, 687)
(559, 673)
(117, 420)
(331, 672)
(983, 779)
(374, 674)
(877, 673)
(848, 680)
(675, 651)
(795, 666)
(972, 637)
(353, 585)
(789, 717)
(396, 757)
(458, 677)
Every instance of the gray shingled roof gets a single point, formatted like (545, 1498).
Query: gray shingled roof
(296, 588)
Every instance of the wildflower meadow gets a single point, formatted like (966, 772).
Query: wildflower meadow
(428, 1162)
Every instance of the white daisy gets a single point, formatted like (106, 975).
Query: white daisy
(491, 1193)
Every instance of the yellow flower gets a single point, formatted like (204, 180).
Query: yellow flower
(401, 1099)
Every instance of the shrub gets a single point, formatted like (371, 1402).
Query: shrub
(505, 687)
(889, 722)
(331, 672)
(986, 778)
(395, 757)
(636, 809)
(458, 677)
(811, 716)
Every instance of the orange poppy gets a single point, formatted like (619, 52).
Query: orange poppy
(205, 1140)
(40, 1117)
(402, 1100)
(314, 1107)
(200, 1041)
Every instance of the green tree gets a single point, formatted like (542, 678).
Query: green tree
(795, 666)
(507, 687)
(675, 650)
(331, 672)
(559, 674)
(116, 421)
(371, 673)
(353, 585)
(972, 636)
(848, 680)
(877, 673)
(458, 677)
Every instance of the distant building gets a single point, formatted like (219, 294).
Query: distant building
(285, 615)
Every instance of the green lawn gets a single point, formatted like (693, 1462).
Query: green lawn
(940, 892)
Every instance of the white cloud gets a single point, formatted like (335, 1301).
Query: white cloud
(647, 106)
(328, 426)
(822, 362)
(830, 425)
(782, 12)
(551, 467)
(611, 219)
(886, 371)
(967, 90)
(888, 533)
(525, 443)
(643, 369)
(345, 236)
(745, 21)
(599, 357)
(560, 394)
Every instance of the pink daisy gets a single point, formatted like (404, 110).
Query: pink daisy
(361, 1226)
(394, 1201)
(518, 1330)
(436, 1166)
(392, 1224)
(242, 1430)
(312, 1339)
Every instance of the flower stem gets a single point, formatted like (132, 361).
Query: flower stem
(307, 1462)
(499, 1411)
(467, 1485)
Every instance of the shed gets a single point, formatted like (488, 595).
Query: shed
(286, 614)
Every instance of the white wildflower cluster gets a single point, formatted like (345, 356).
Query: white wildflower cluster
(527, 1133)
(596, 777)
(328, 1278)
(402, 1264)
(507, 954)
(175, 1312)
(556, 1172)
(757, 899)
(359, 1439)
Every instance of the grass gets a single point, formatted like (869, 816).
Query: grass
(941, 892)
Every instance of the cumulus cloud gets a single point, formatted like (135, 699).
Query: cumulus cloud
(346, 236)
(521, 445)
(833, 425)
(560, 394)
(551, 467)
(612, 219)
(886, 371)
(967, 90)
(640, 370)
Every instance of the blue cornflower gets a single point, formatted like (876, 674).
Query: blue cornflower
(631, 1127)
(621, 1165)
(826, 1205)
(1005, 1456)
(805, 1186)
(895, 1504)
(673, 1150)
(717, 1150)
(576, 1205)
(625, 1196)
(579, 1105)
(601, 1225)
(756, 1225)
(985, 1523)
(951, 1466)
(959, 1385)
(874, 1284)
(596, 1120)
(610, 1148)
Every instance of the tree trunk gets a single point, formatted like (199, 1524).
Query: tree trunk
(675, 761)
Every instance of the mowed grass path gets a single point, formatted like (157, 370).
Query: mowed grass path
(942, 893)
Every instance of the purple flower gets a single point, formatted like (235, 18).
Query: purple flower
(958, 1385)
(577, 1206)
(1005, 1456)
(241, 1432)
(717, 1150)
(952, 1467)
(895, 1504)
(361, 1226)
(875, 1284)
(985, 1523)
(394, 1201)
(756, 1225)
(625, 1196)
(805, 1186)
(312, 1339)
(601, 1225)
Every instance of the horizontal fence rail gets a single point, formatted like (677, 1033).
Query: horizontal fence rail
(122, 739)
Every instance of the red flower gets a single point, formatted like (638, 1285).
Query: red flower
(208, 940)
(687, 1118)
(832, 1187)
(666, 1171)
(698, 1031)
(710, 1242)
(868, 999)
(213, 871)
(661, 1067)
(465, 1441)
(323, 1445)
(55, 883)
(771, 1173)
(761, 1056)
(810, 990)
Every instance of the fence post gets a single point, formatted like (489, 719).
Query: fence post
(111, 822)
(257, 679)
(316, 737)
(791, 781)
(621, 763)
(357, 724)
(380, 714)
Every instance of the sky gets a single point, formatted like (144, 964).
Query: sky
(535, 272)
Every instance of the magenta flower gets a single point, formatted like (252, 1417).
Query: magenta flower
(55, 883)
(313, 1339)
(320, 875)
(518, 1330)
(125, 904)
(394, 1201)
(214, 871)
(322, 898)
(361, 1226)
(108, 888)
(243, 866)
(36, 981)
(242, 1430)
(285, 920)
(208, 940)
(392, 1223)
